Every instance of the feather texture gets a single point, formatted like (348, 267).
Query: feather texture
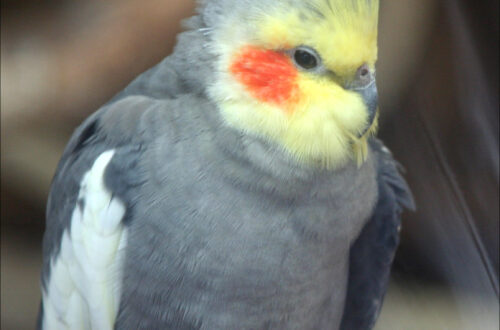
(373, 251)
(83, 291)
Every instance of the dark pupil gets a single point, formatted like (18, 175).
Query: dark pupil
(305, 59)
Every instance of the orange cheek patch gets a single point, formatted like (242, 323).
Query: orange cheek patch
(268, 75)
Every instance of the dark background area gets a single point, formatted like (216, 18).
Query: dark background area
(438, 81)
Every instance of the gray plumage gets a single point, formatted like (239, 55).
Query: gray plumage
(226, 231)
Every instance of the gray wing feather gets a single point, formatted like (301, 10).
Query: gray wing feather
(120, 126)
(77, 158)
(372, 253)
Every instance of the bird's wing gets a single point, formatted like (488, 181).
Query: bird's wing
(86, 217)
(372, 253)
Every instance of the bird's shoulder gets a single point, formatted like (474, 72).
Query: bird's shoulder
(88, 207)
(124, 127)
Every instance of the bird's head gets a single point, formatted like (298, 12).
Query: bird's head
(298, 72)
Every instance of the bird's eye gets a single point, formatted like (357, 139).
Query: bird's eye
(305, 58)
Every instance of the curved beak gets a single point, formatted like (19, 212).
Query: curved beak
(369, 94)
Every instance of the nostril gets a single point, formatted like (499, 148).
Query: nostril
(363, 76)
(363, 71)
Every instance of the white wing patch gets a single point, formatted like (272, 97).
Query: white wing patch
(84, 288)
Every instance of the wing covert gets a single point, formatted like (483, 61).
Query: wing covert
(86, 231)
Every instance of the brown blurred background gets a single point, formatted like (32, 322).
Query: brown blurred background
(438, 80)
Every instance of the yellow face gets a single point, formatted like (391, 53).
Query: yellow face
(311, 110)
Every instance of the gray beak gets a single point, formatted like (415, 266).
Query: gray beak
(370, 97)
(365, 84)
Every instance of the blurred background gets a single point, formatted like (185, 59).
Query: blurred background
(438, 80)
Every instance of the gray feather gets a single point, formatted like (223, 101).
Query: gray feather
(373, 251)
(225, 230)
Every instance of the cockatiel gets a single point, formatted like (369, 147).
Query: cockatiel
(235, 185)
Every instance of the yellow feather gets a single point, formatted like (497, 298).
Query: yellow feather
(322, 128)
